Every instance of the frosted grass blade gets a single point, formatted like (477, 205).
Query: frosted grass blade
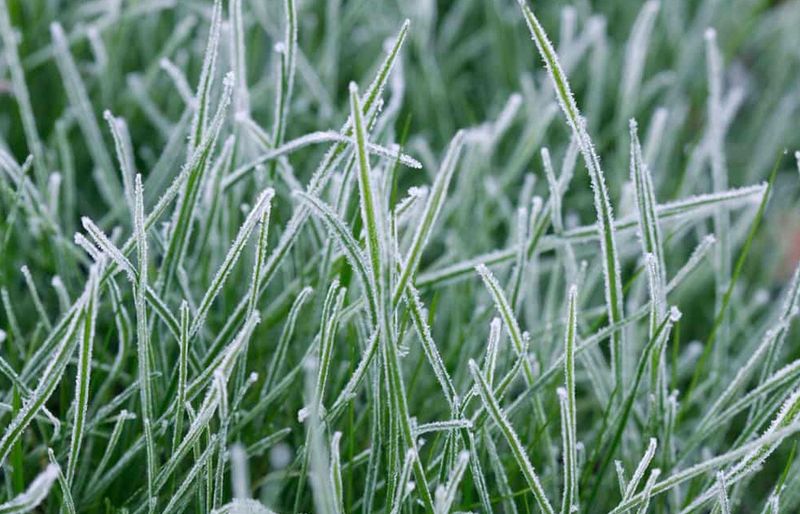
(37, 300)
(648, 491)
(336, 474)
(511, 437)
(635, 55)
(183, 357)
(124, 151)
(196, 167)
(113, 440)
(79, 98)
(719, 180)
(191, 477)
(569, 432)
(35, 494)
(509, 320)
(83, 377)
(641, 468)
(51, 375)
(724, 502)
(199, 125)
(261, 205)
(288, 67)
(649, 229)
(416, 311)
(66, 494)
(351, 249)
(433, 207)
(313, 138)
(210, 402)
(693, 207)
(142, 333)
(605, 217)
(22, 94)
(241, 97)
(446, 495)
(277, 361)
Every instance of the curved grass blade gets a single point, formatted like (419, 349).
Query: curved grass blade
(35, 494)
(602, 202)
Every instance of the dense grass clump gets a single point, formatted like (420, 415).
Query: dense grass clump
(414, 256)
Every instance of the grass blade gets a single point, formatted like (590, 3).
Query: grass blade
(82, 381)
(35, 494)
(494, 410)
(569, 432)
(605, 217)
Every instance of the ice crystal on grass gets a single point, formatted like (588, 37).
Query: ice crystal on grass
(339, 257)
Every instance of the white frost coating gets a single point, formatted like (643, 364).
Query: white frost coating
(339, 231)
(755, 458)
(648, 491)
(492, 349)
(238, 57)
(621, 481)
(786, 417)
(429, 347)
(568, 406)
(719, 167)
(446, 495)
(36, 492)
(646, 207)
(303, 414)
(658, 296)
(772, 339)
(404, 484)
(724, 502)
(37, 300)
(108, 248)
(51, 375)
(797, 159)
(54, 181)
(83, 374)
(211, 401)
(86, 246)
(439, 426)
(655, 135)
(240, 472)
(243, 506)
(641, 469)
(280, 456)
(336, 473)
(768, 439)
